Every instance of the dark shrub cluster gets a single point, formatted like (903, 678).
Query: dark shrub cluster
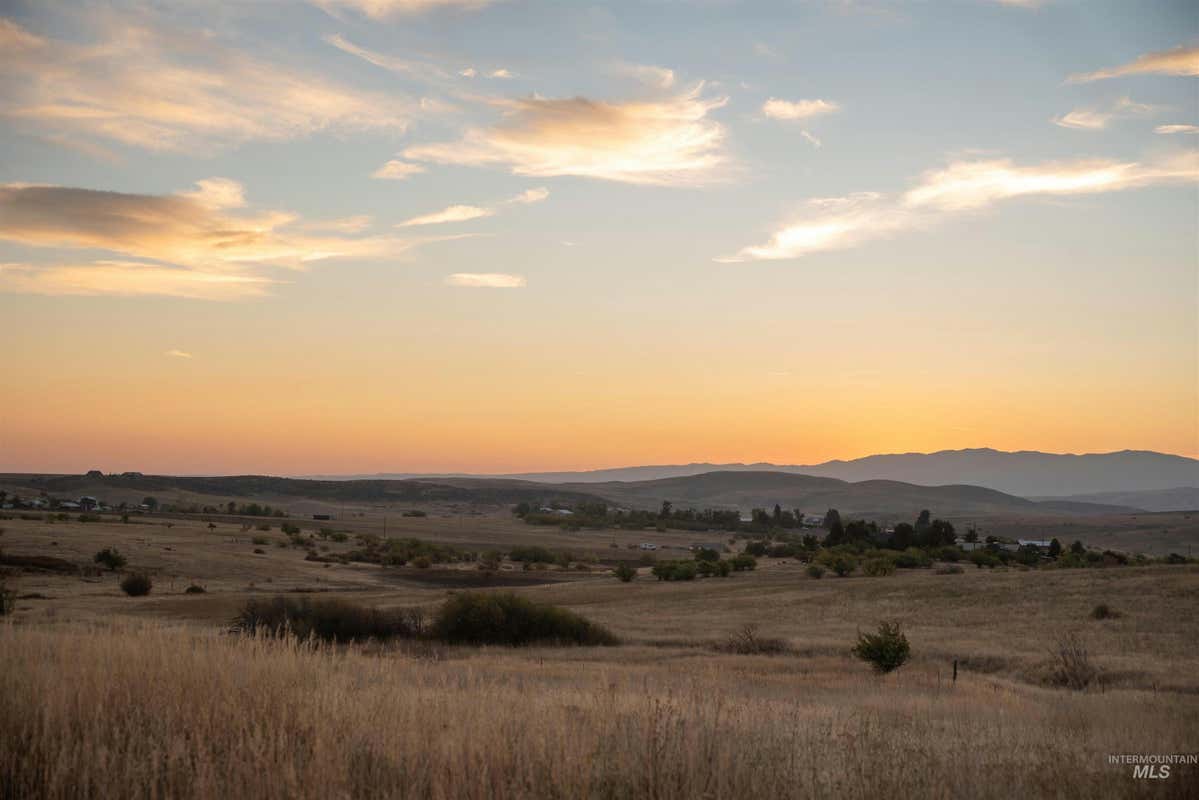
(110, 557)
(508, 619)
(625, 572)
(195, 589)
(886, 650)
(532, 555)
(329, 619)
(1104, 611)
(1071, 664)
(8, 600)
(747, 642)
(136, 584)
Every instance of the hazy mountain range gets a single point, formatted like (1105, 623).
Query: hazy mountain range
(1024, 473)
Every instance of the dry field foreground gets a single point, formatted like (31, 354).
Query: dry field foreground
(103, 696)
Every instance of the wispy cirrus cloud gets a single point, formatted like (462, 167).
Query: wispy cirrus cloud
(797, 109)
(129, 279)
(416, 68)
(485, 280)
(178, 354)
(1181, 60)
(1172, 129)
(139, 86)
(1098, 119)
(961, 187)
(397, 170)
(383, 9)
(664, 142)
(186, 245)
(464, 213)
(653, 76)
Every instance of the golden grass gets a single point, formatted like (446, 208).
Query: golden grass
(143, 710)
(103, 696)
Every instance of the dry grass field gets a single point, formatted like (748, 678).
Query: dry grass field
(103, 695)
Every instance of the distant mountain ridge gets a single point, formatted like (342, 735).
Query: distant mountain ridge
(1023, 473)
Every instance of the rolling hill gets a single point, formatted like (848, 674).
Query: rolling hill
(1025, 473)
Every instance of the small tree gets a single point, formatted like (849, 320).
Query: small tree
(1055, 548)
(886, 650)
(625, 572)
(111, 558)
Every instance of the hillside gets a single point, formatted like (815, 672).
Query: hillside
(811, 494)
(1183, 498)
(1026, 473)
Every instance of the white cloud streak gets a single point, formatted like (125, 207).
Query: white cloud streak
(396, 170)
(146, 88)
(665, 142)
(485, 280)
(1172, 129)
(465, 213)
(1180, 60)
(797, 109)
(961, 187)
(383, 9)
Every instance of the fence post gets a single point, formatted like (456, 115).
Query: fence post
(955, 670)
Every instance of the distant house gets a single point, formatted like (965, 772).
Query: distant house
(1040, 544)
(968, 546)
(648, 546)
(88, 503)
(321, 516)
(69, 505)
(813, 521)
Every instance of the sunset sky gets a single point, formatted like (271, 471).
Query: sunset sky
(509, 235)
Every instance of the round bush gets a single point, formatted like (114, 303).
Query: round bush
(886, 650)
(136, 584)
(508, 619)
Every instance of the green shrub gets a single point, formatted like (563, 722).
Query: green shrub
(136, 584)
(886, 650)
(912, 558)
(339, 536)
(747, 642)
(421, 562)
(842, 565)
(744, 562)
(195, 589)
(264, 527)
(1104, 611)
(981, 558)
(624, 572)
(290, 529)
(329, 619)
(8, 600)
(707, 554)
(723, 568)
(508, 619)
(878, 567)
(815, 571)
(260, 540)
(952, 569)
(532, 554)
(110, 557)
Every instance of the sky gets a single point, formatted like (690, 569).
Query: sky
(513, 235)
